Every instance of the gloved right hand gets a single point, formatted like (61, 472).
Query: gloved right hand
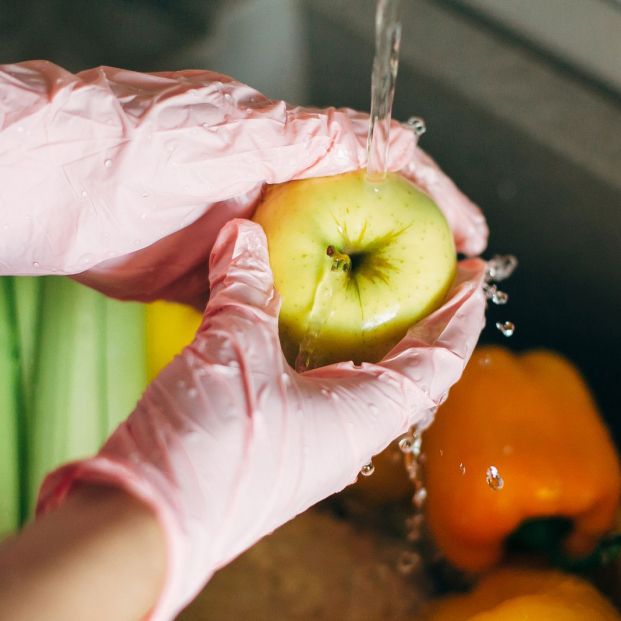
(228, 442)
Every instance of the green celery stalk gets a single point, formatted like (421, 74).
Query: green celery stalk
(11, 436)
(89, 372)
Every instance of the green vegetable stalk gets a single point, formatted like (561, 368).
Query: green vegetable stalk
(72, 365)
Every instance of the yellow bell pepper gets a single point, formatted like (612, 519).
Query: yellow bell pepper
(532, 418)
(511, 594)
(170, 327)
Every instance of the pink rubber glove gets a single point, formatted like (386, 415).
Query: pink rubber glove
(228, 442)
(136, 173)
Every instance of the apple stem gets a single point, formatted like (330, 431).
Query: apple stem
(341, 262)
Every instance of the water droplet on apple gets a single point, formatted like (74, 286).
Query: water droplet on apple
(192, 392)
(493, 478)
(367, 470)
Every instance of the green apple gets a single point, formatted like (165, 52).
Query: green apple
(356, 264)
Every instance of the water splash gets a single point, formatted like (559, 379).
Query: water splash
(500, 267)
(417, 125)
(385, 68)
(494, 294)
(507, 328)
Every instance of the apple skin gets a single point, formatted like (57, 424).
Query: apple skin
(356, 264)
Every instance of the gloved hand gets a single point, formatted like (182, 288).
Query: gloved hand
(229, 442)
(126, 178)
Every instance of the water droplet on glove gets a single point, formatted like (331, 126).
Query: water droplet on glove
(367, 470)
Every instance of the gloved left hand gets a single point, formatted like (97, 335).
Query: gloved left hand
(124, 179)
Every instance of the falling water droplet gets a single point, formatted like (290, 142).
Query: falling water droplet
(462, 468)
(506, 327)
(419, 497)
(405, 444)
(414, 526)
(417, 125)
(500, 297)
(500, 267)
(408, 561)
(417, 444)
(493, 478)
(108, 163)
(367, 470)
(412, 470)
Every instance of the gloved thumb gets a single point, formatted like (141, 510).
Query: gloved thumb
(240, 275)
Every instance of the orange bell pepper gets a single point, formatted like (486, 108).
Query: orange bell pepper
(526, 594)
(531, 417)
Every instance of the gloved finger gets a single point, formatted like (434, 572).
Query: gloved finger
(240, 323)
(464, 217)
(239, 271)
(435, 351)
